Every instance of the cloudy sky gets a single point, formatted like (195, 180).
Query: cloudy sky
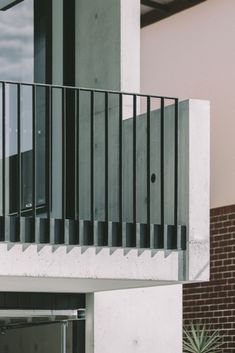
(16, 64)
(16, 42)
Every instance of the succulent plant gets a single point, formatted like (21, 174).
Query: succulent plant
(198, 340)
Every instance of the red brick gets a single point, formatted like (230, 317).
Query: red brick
(214, 302)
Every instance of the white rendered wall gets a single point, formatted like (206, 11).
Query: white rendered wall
(192, 54)
(140, 320)
(130, 46)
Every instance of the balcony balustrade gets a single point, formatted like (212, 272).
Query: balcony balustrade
(89, 167)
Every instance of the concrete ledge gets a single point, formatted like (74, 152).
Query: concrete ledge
(47, 267)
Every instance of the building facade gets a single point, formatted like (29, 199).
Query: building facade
(197, 48)
(104, 191)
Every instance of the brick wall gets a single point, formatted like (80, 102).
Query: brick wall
(213, 303)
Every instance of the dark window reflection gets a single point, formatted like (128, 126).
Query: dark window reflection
(21, 41)
(26, 155)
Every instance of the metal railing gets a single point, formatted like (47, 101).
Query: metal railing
(65, 156)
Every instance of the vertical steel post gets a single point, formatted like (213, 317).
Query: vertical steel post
(64, 337)
(76, 154)
(176, 161)
(148, 162)
(120, 158)
(106, 156)
(19, 149)
(162, 160)
(92, 155)
(134, 157)
(64, 199)
(34, 150)
(49, 152)
(3, 149)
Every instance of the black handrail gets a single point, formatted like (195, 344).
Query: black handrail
(86, 89)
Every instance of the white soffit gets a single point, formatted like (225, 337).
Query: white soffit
(6, 4)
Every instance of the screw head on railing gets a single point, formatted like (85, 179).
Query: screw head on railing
(153, 178)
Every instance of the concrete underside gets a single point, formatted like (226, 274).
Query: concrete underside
(48, 268)
(66, 285)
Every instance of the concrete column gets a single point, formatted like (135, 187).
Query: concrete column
(108, 44)
(108, 57)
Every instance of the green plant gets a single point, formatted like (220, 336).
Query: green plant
(198, 340)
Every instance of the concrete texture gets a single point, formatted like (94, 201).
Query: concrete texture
(150, 319)
(83, 270)
(90, 269)
(199, 191)
(139, 320)
(130, 33)
(104, 31)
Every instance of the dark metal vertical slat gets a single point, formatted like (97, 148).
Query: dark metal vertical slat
(19, 149)
(34, 151)
(176, 162)
(106, 156)
(49, 152)
(92, 162)
(134, 158)
(120, 158)
(3, 149)
(148, 162)
(162, 160)
(64, 153)
(76, 155)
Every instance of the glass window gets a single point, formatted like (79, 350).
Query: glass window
(23, 43)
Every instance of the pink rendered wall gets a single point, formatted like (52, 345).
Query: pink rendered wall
(192, 55)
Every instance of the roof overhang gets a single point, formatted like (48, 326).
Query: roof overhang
(151, 10)
(156, 10)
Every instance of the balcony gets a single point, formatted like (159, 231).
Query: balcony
(99, 169)
(110, 165)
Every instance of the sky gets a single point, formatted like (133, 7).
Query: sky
(16, 42)
(16, 64)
